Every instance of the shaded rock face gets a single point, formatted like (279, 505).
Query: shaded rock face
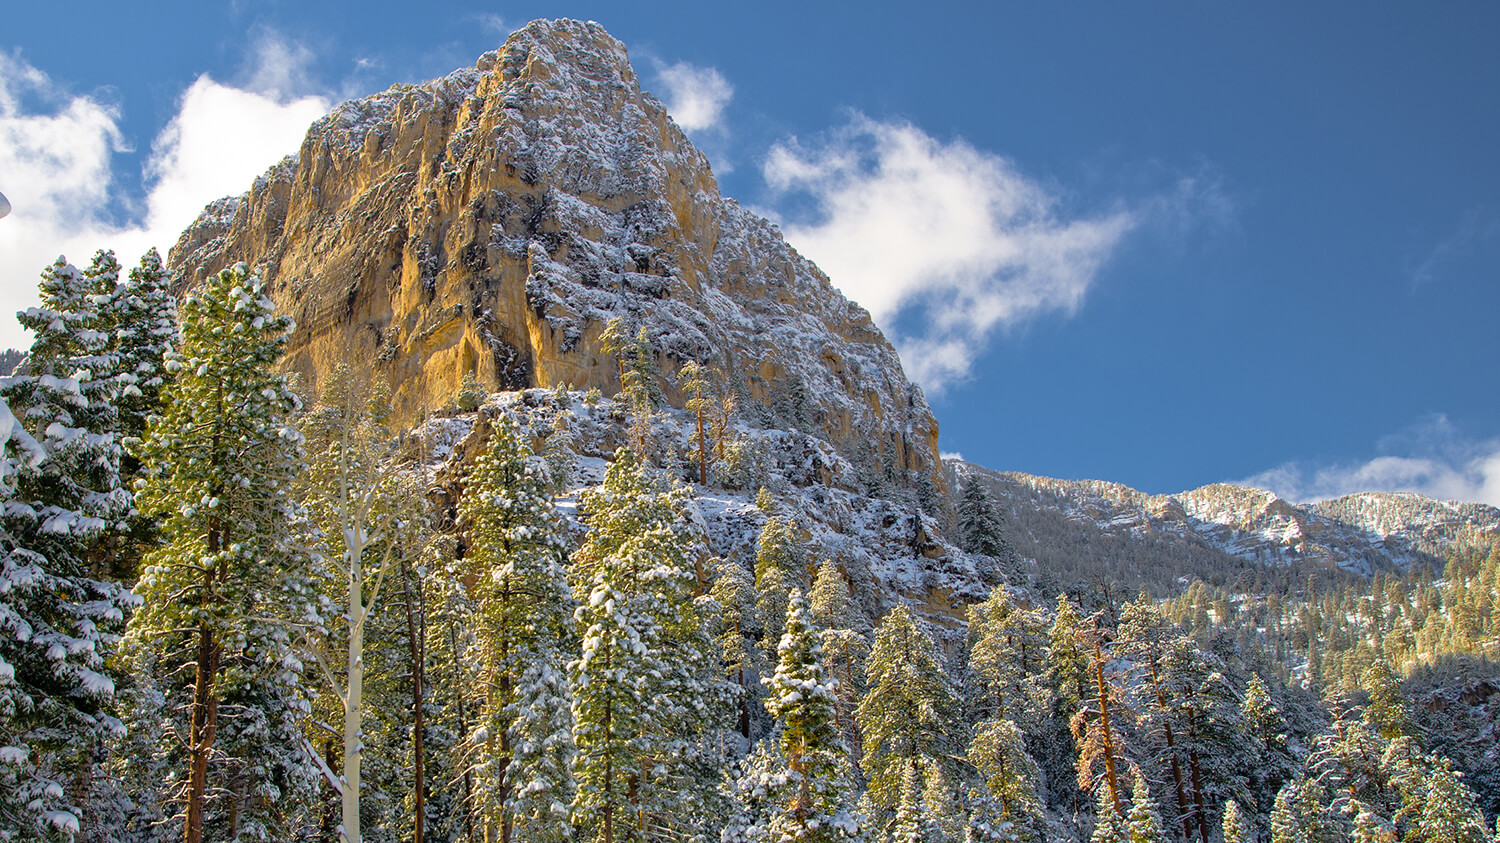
(492, 221)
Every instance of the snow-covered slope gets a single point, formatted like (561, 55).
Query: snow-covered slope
(1365, 533)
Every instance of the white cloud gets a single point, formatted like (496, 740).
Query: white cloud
(56, 151)
(1431, 458)
(496, 24)
(695, 96)
(943, 232)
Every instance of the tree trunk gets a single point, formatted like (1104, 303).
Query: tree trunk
(205, 705)
(417, 637)
(1111, 778)
(702, 449)
(1161, 703)
(353, 695)
(1196, 767)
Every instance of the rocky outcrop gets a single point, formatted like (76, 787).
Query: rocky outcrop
(492, 221)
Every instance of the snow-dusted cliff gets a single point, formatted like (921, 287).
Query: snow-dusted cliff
(492, 221)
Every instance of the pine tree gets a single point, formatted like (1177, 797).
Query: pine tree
(1100, 740)
(817, 767)
(1143, 820)
(1109, 825)
(59, 618)
(734, 592)
(844, 646)
(1234, 828)
(906, 716)
(693, 379)
(979, 527)
(779, 569)
(907, 826)
(648, 686)
(516, 549)
(1006, 650)
(219, 466)
(998, 753)
(1436, 806)
(143, 315)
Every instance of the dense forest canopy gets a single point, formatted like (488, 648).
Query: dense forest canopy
(229, 612)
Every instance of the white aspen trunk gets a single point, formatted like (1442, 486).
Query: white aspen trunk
(353, 711)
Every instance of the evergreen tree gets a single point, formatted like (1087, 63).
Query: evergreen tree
(844, 646)
(1143, 820)
(143, 315)
(734, 592)
(1006, 650)
(1234, 827)
(979, 528)
(1435, 804)
(817, 767)
(522, 750)
(221, 594)
(1109, 825)
(907, 715)
(779, 569)
(998, 753)
(59, 618)
(648, 686)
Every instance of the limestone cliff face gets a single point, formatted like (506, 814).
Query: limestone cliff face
(492, 221)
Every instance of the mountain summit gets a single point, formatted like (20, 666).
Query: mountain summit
(491, 223)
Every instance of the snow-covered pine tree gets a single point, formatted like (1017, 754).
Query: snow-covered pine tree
(522, 750)
(734, 593)
(907, 717)
(907, 826)
(59, 618)
(224, 590)
(648, 687)
(815, 804)
(1007, 646)
(1109, 825)
(1100, 740)
(143, 315)
(845, 647)
(1436, 806)
(1145, 638)
(979, 527)
(780, 569)
(1234, 828)
(693, 379)
(998, 753)
(1143, 820)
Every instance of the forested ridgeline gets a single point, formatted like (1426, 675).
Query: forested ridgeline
(228, 615)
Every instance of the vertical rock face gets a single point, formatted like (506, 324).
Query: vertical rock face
(492, 221)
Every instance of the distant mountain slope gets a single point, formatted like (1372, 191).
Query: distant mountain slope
(1225, 528)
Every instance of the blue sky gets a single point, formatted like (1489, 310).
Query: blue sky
(1163, 244)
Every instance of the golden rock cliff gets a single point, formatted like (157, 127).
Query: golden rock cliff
(492, 221)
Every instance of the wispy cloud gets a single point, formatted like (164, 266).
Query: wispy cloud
(1477, 230)
(495, 25)
(57, 148)
(941, 232)
(1431, 457)
(695, 96)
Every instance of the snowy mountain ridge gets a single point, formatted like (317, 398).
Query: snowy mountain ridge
(1363, 533)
